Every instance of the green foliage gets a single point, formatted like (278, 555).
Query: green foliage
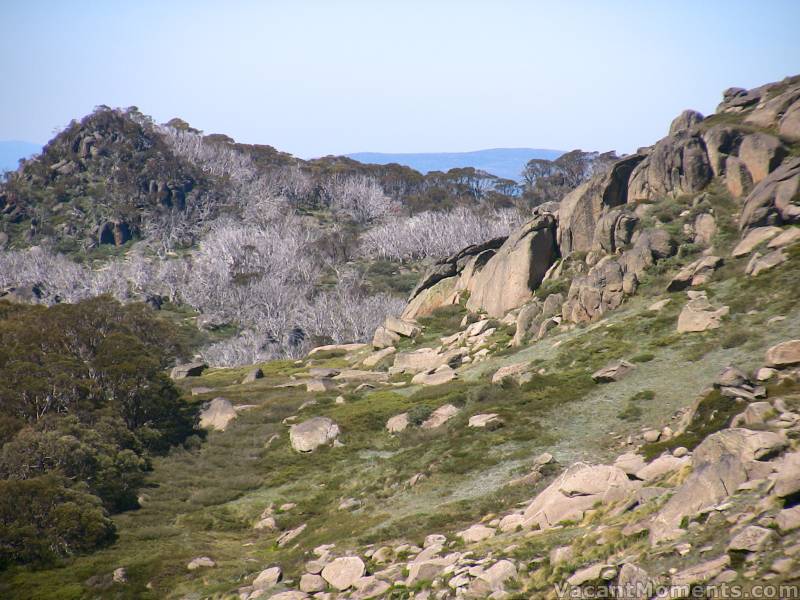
(419, 414)
(42, 519)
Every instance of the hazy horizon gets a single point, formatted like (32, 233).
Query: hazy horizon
(313, 79)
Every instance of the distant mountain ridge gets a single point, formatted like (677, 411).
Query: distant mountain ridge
(13, 150)
(503, 162)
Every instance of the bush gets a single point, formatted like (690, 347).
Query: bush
(419, 414)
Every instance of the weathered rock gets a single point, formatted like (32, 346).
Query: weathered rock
(359, 376)
(194, 369)
(429, 569)
(290, 535)
(774, 201)
(309, 435)
(614, 230)
(705, 228)
(427, 359)
(217, 414)
(516, 371)
(369, 587)
(561, 554)
(578, 489)
(686, 120)
(761, 153)
(320, 385)
(525, 320)
(784, 354)
(580, 210)
(788, 519)
(721, 464)
(592, 573)
(397, 423)
(759, 263)
(484, 420)
(311, 583)
(662, 466)
(630, 463)
(343, 572)
(440, 416)
(701, 573)
(754, 237)
(290, 595)
(476, 533)
(615, 371)
(751, 539)
(511, 522)
(786, 238)
(201, 561)
(790, 123)
(509, 277)
(252, 375)
(721, 142)
(695, 273)
(699, 315)
(492, 579)
(344, 348)
(267, 578)
(737, 178)
(402, 327)
(787, 476)
(731, 377)
(442, 374)
(677, 164)
(383, 338)
(376, 357)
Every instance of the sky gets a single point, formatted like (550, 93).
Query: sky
(332, 77)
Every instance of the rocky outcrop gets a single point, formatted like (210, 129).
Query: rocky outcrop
(217, 414)
(194, 369)
(776, 199)
(509, 277)
(580, 210)
(699, 315)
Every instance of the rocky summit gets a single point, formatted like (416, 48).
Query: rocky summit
(606, 399)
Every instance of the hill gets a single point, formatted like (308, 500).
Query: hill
(603, 402)
(507, 163)
(11, 151)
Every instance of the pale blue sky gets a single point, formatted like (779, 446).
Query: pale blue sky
(319, 77)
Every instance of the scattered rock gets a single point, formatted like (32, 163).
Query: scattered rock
(376, 357)
(439, 376)
(217, 414)
(702, 572)
(440, 416)
(476, 533)
(753, 238)
(120, 575)
(784, 354)
(308, 435)
(759, 263)
(786, 238)
(397, 423)
(267, 578)
(312, 582)
(343, 572)
(695, 273)
(290, 535)
(516, 371)
(252, 375)
(613, 372)
(751, 539)
(484, 420)
(345, 348)
(788, 519)
(699, 315)
(194, 369)
(320, 385)
(201, 561)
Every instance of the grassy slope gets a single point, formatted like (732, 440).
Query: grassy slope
(205, 501)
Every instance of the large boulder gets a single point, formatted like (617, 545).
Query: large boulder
(309, 435)
(217, 414)
(193, 369)
(575, 491)
(686, 120)
(721, 142)
(784, 354)
(699, 315)
(678, 164)
(509, 277)
(343, 572)
(790, 123)
(754, 238)
(581, 208)
(776, 199)
(695, 273)
(761, 153)
(721, 463)
(600, 290)
(614, 229)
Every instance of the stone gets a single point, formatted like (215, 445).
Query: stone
(484, 420)
(217, 415)
(440, 416)
(759, 263)
(589, 574)
(476, 533)
(492, 579)
(434, 539)
(515, 371)
(788, 519)
(757, 413)
(320, 385)
(511, 522)
(790, 123)
(120, 575)
(369, 587)
(343, 572)
(575, 491)
(787, 475)
(630, 463)
(359, 376)
(676, 165)
(680, 452)
(786, 238)
(428, 570)
(702, 572)
(194, 369)
(311, 582)
(698, 315)
(402, 327)
(613, 372)
(761, 153)
(784, 354)
(397, 423)
(751, 539)
(201, 561)
(774, 200)
(376, 357)
(695, 273)
(344, 348)
(441, 375)
(561, 555)
(737, 178)
(290, 595)
(288, 536)
(754, 238)
(730, 376)
(252, 375)
(267, 523)
(310, 434)
(765, 373)
(267, 578)
(705, 228)
(198, 391)
(662, 466)
(383, 338)
(510, 276)
(659, 304)
(686, 120)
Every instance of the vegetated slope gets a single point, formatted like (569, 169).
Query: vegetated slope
(507, 163)
(643, 326)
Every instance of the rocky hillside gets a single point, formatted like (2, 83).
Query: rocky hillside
(607, 401)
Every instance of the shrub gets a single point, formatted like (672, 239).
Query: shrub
(419, 414)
